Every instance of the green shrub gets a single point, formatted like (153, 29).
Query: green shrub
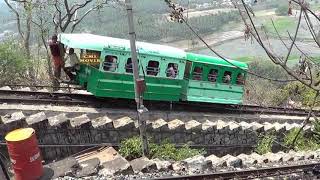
(167, 151)
(13, 63)
(303, 142)
(301, 93)
(131, 149)
(265, 143)
(185, 152)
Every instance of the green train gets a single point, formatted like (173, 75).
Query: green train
(170, 74)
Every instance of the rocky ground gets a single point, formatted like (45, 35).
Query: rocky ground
(107, 163)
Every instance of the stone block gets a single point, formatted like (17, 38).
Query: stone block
(63, 167)
(87, 168)
(43, 90)
(245, 125)
(259, 158)
(268, 126)
(179, 166)
(59, 91)
(176, 124)
(116, 166)
(162, 165)
(316, 153)
(197, 163)
(159, 124)
(7, 88)
(78, 121)
(103, 121)
(24, 89)
(36, 118)
(232, 161)
(298, 156)
(272, 157)
(287, 157)
(221, 125)
(257, 127)
(216, 161)
(208, 126)
(143, 165)
(16, 116)
(58, 119)
(309, 155)
(233, 126)
(104, 155)
(193, 125)
(279, 127)
(124, 122)
(247, 160)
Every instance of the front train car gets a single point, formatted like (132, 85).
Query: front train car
(214, 80)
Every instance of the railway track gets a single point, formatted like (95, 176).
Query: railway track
(81, 99)
(251, 174)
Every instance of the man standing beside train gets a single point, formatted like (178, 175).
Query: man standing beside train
(57, 54)
(71, 64)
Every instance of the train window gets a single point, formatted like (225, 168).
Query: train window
(153, 68)
(110, 63)
(227, 77)
(128, 66)
(172, 70)
(213, 74)
(187, 70)
(240, 79)
(197, 73)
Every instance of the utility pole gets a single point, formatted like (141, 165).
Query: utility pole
(138, 83)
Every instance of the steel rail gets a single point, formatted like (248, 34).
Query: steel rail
(207, 146)
(255, 173)
(42, 86)
(32, 97)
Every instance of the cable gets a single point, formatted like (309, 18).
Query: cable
(220, 56)
(252, 73)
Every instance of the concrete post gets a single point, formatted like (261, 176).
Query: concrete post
(135, 67)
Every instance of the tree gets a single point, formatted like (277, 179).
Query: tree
(46, 17)
(308, 73)
(23, 14)
(66, 15)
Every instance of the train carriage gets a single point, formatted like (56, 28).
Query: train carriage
(170, 74)
(113, 75)
(207, 80)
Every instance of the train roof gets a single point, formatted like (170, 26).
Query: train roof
(214, 60)
(99, 43)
